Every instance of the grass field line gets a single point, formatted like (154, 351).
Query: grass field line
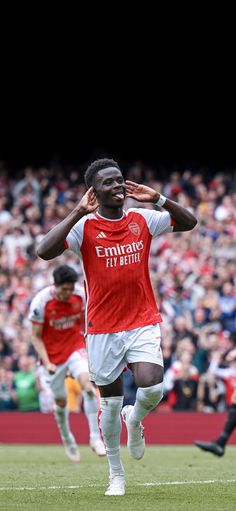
(167, 483)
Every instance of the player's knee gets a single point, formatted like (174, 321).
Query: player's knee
(85, 382)
(110, 412)
(148, 378)
(150, 396)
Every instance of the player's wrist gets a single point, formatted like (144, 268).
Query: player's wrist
(79, 212)
(160, 201)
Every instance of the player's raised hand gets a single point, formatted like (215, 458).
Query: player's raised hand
(141, 193)
(88, 203)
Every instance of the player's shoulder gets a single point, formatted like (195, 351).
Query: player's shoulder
(143, 212)
(87, 218)
(79, 290)
(44, 295)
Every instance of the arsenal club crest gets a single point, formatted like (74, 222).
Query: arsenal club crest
(134, 228)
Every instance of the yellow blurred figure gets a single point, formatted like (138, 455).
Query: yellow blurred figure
(74, 394)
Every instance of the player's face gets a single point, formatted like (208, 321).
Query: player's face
(109, 187)
(64, 291)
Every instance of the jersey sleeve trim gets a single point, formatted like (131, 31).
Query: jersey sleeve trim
(66, 244)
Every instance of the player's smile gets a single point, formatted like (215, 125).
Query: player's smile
(110, 187)
(119, 194)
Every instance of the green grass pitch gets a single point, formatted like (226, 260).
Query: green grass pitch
(168, 478)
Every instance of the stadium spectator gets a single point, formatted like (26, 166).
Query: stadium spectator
(181, 379)
(210, 394)
(26, 385)
(8, 396)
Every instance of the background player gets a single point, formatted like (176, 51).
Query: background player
(57, 316)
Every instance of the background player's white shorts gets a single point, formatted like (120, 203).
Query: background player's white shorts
(108, 354)
(77, 363)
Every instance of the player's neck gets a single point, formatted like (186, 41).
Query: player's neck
(110, 213)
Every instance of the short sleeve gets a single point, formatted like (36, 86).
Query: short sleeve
(75, 237)
(37, 310)
(158, 222)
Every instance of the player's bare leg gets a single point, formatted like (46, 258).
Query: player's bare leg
(149, 380)
(90, 403)
(61, 416)
(110, 423)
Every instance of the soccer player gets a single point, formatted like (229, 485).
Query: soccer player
(57, 316)
(217, 446)
(122, 320)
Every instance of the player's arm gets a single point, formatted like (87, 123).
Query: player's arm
(39, 346)
(184, 220)
(52, 244)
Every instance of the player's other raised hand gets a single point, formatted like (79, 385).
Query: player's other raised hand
(88, 203)
(141, 193)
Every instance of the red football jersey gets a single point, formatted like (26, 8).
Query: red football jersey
(115, 255)
(62, 322)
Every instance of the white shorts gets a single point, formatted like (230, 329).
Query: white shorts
(77, 363)
(109, 354)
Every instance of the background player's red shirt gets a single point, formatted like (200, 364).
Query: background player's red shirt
(62, 322)
(115, 260)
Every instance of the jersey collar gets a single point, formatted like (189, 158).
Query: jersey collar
(110, 219)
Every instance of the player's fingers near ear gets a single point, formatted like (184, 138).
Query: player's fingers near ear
(131, 184)
(91, 194)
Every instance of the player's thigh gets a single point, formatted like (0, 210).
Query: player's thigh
(57, 384)
(144, 345)
(106, 356)
(78, 364)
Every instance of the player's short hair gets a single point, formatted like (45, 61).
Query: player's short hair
(97, 165)
(64, 274)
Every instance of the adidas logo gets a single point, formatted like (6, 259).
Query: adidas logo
(101, 235)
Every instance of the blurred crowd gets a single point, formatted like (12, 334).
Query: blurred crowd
(193, 277)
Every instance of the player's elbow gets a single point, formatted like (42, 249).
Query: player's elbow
(48, 250)
(192, 222)
(187, 225)
(43, 253)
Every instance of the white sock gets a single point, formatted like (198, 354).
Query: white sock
(91, 411)
(147, 398)
(62, 420)
(110, 424)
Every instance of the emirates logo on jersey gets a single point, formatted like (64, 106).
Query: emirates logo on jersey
(134, 228)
